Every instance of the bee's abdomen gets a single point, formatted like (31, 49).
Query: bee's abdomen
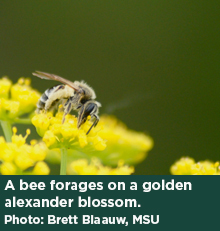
(44, 98)
(53, 96)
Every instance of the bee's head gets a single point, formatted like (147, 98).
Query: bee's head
(89, 108)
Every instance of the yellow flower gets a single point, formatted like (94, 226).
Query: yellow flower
(17, 157)
(122, 143)
(5, 85)
(22, 99)
(182, 166)
(8, 168)
(205, 168)
(188, 166)
(42, 122)
(25, 95)
(41, 168)
(110, 141)
(19, 139)
(58, 135)
(83, 167)
(9, 109)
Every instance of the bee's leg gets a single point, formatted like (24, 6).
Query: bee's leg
(53, 106)
(67, 108)
(97, 120)
(61, 105)
(94, 124)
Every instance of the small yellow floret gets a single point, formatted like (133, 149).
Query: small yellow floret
(8, 152)
(22, 99)
(49, 138)
(8, 109)
(42, 122)
(182, 166)
(41, 168)
(5, 85)
(8, 168)
(83, 167)
(99, 143)
(23, 160)
(19, 139)
(38, 152)
(25, 95)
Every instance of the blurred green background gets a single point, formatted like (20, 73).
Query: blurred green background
(153, 64)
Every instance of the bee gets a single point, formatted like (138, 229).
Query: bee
(75, 95)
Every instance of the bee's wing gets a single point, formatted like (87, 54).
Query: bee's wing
(47, 76)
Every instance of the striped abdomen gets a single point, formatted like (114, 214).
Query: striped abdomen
(52, 96)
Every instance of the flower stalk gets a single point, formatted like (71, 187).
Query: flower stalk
(6, 127)
(63, 162)
(22, 121)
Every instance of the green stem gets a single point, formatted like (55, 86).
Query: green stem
(63, 163)
(22, 121)
(6, 127)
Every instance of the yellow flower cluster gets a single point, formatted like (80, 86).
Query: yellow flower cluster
(111, 142)
(188, 166)
(122, 143)
(16, 99)
(119, 142)
(58, 135)
(17, 157)
(83, 167)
